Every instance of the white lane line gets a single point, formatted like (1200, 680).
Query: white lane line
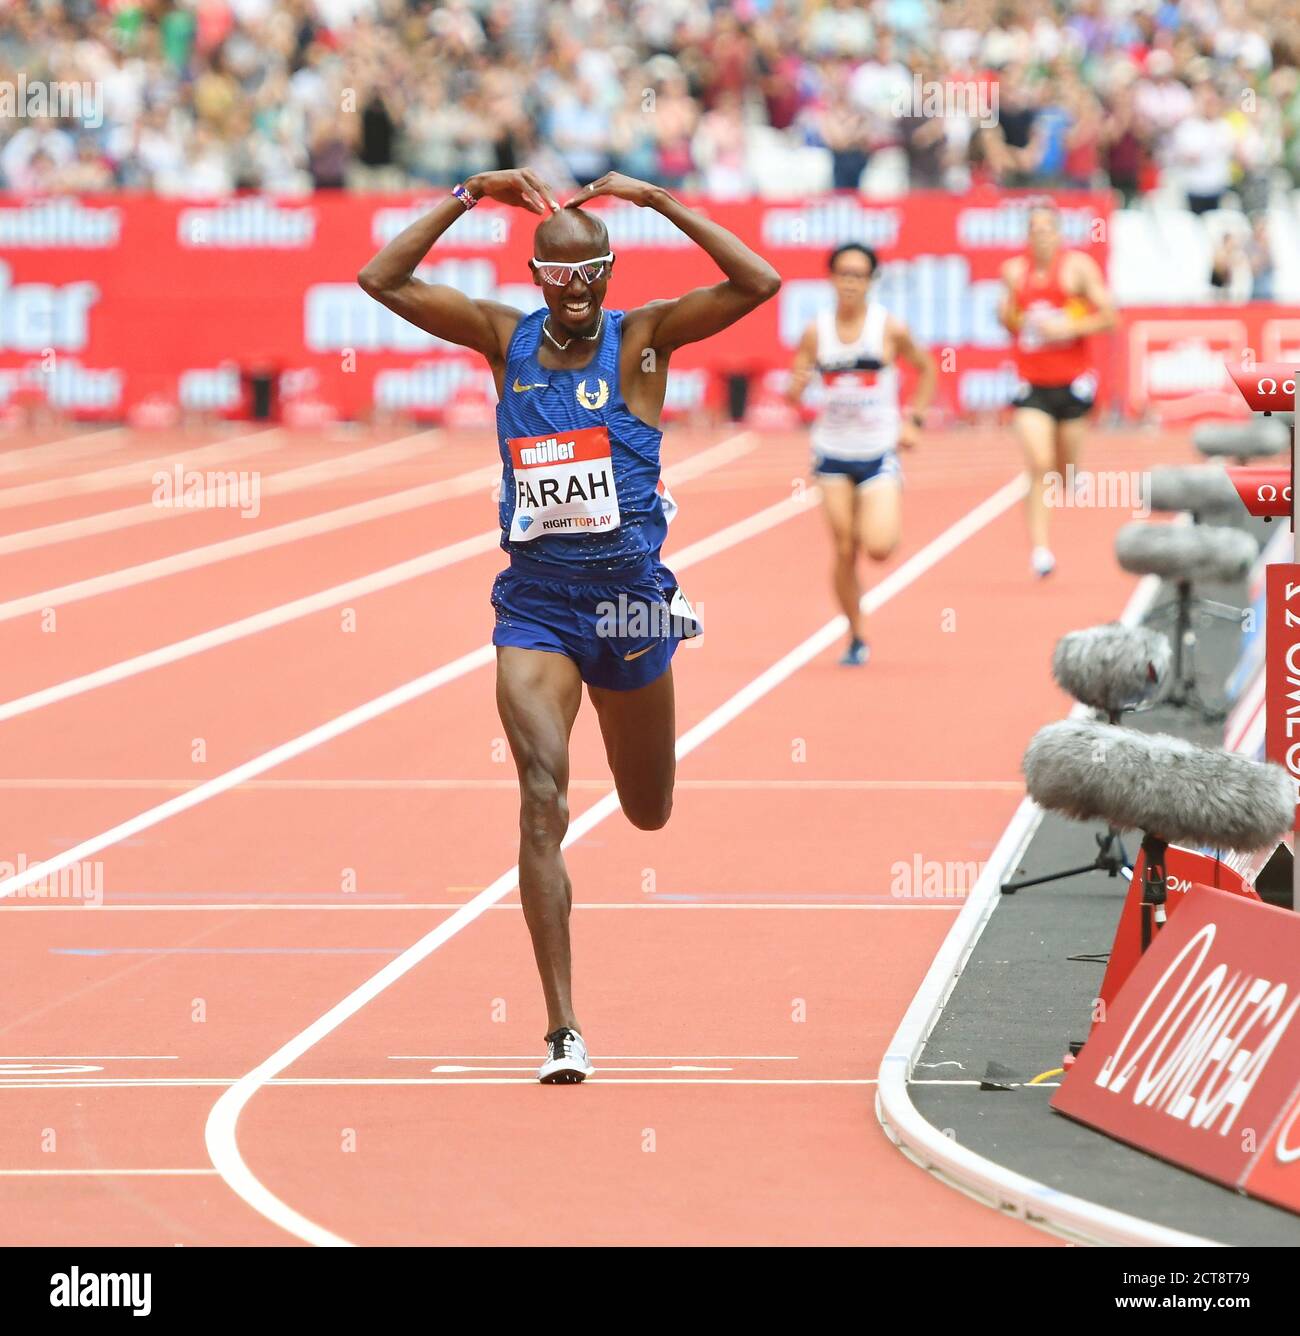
(512, 785)
(219, 1131)
(89, 1057)
(241, 906)
(294, 610)
(229, 1082)
(450, 1068)
(277, 484)
(604, 1057)
(68, 447)
(292, 531)
(136, 472)
(386, 578)
(106, 1173)
(361, 714)
(313, 525)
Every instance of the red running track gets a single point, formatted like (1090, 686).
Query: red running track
(738, 974)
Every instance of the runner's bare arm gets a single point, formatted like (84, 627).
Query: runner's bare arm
(1092, 286)
(920, 358)
(749, 282)
(805, 363)
(1009, 314)
(485, 326)
(911, 352)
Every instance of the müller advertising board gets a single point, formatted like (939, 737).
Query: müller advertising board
(1198, 1058)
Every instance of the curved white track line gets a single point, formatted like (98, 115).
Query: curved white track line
(917, 1137)
(220, 1130)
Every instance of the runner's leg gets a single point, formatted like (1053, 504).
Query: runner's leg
(839, 501)
(538, 694)
(1069, 444)
(1034, 429)
(880, 517)
(640, 732)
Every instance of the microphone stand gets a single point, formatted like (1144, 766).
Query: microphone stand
(1112, 858)
(1154, 886)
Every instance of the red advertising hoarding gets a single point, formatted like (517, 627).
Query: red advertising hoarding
(1179, 363)
(1184, 868)
(110, 300)
(1282, 668)
(1198, 1059)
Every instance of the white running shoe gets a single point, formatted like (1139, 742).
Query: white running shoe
(566, 1058)
(1043, 562)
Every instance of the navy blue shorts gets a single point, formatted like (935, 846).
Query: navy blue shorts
(621, 628)
(862, 472)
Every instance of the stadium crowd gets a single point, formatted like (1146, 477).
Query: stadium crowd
(203, 97)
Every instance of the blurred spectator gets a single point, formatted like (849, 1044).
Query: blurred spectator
(579, 127)
(1230, 270)
(719, 149)
(836, 124)
(1123, 144)
(1259, 254)
(1201, 149)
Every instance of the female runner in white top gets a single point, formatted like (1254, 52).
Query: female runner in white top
(855, 347)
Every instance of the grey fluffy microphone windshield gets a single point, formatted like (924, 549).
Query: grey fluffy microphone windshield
(1203, 489)
(1113, 667)
(1251, 439)
(1159, 784)
(1185, 551)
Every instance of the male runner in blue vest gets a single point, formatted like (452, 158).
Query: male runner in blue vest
(583, 516)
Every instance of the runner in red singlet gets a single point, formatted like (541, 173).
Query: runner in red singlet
(1053, 300)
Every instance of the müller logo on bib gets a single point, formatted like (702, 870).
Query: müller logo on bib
(563, 484)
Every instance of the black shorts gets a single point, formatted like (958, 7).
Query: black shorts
(1062, 403)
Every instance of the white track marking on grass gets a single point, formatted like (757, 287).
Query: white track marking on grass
(411, 569)
(136, 472)
(296, 479)
(310, 526)
(220, 1129)
(68, 447)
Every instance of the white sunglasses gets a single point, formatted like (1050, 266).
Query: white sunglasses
(558, 273)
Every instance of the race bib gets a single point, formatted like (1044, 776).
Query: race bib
(564, 484)
(1036, 315)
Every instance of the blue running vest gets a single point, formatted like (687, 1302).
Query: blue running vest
(546, 408)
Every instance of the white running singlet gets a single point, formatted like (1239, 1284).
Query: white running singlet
(859, 417)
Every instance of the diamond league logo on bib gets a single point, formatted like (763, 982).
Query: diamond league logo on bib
(563, 483)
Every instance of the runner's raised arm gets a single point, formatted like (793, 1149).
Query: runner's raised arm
(389, 277)
(701, 313)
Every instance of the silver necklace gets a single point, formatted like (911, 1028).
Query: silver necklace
(590, 338)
